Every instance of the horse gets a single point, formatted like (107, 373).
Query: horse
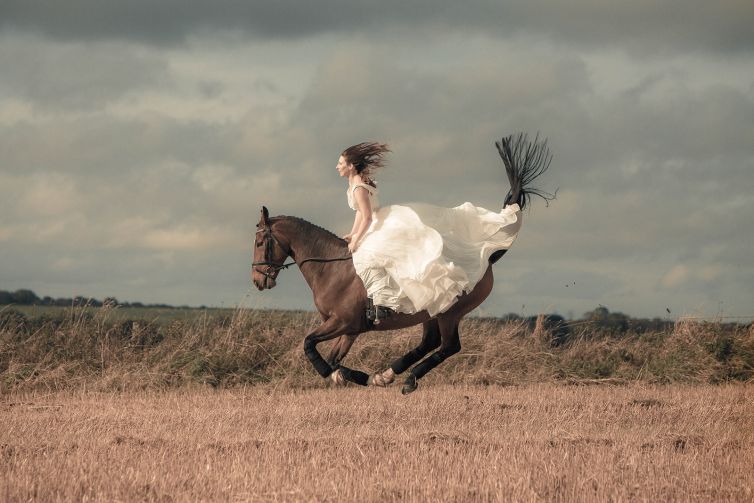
(340, 296)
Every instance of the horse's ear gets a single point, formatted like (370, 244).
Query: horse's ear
(265, 216)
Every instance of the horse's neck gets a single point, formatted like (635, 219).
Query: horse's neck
(309, 241)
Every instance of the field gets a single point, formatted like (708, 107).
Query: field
(159, 315)
(448, 443)
(222, 405)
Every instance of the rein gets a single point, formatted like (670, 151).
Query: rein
(273, 268)
(286, 266)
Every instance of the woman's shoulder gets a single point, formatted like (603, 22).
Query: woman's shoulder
(369, 185)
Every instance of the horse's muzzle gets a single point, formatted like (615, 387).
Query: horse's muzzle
(262, 281)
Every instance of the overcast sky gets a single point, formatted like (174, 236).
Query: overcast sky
(138, 141)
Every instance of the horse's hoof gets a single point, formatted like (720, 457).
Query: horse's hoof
(382, 379)
(337, 378)
(409, 385)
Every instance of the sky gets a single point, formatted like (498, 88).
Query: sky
(139, 141)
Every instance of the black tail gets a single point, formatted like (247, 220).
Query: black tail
(524, 162)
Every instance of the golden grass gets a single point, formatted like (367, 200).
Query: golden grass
(539, 442)
(99, 350)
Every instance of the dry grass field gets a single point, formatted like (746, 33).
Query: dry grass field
(223, 406)
(103, 350)
(540, 442)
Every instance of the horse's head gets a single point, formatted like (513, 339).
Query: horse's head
(269, 254)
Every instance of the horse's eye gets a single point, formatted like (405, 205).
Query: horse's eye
(258, 244)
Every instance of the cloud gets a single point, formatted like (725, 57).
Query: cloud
(646, 27)
(154, 149)
(675, 277)
(76, 75)
(188, 238)
(48, 195)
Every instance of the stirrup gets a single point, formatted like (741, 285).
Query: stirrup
(371, 311)
(381, 312)
(377, 313)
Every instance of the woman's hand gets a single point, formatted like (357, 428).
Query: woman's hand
(347, 238)
(352, 246)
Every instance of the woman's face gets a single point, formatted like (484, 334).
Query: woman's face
(343, 167)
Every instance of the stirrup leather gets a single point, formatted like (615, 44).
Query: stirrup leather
(377, 313)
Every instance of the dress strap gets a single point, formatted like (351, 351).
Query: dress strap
(369, 188)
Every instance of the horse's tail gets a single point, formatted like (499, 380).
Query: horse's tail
(524, 162)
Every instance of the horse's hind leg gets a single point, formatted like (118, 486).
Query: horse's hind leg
(450, 345)
(430, 341)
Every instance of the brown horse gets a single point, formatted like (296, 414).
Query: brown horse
(339, 293)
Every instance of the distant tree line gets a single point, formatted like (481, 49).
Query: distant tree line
(600, 320)
(25, 297)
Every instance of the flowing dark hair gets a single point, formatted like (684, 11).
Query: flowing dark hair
(366, 157)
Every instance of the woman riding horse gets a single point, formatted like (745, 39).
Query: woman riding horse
(411, 263)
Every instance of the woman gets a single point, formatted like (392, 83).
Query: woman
(415, 257)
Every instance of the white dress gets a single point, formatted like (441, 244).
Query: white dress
(418, 256)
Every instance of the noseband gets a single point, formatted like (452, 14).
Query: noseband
(272, 268)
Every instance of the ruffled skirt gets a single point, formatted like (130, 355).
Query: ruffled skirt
(418, 256)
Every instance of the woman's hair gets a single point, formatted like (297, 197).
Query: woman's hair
(366, 157)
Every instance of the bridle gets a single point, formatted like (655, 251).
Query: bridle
(272, 268)
(269, 242)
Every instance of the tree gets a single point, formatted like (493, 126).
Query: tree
(5, 297)
(25, 297)
(603, 318)
(110, 302)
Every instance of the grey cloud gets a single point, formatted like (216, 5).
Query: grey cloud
(652, 176)
(178, 278)
(100, 143)
(583, 285)
(647, 27)
(76, 76)
(441, 122)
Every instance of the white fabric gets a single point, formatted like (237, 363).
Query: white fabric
(419, 256)
(374, 202)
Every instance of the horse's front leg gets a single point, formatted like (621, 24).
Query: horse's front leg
(330, 329)
(343, 373)
(340, 350)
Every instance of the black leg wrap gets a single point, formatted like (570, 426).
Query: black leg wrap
(320, 365)
(354, 376)
(431, 362)
(403, 363)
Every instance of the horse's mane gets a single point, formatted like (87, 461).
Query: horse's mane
(308, 223)
(316, 235)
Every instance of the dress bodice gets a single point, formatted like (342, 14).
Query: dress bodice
(373, 199)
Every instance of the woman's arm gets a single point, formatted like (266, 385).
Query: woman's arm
(356, 224)
(361, 197)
